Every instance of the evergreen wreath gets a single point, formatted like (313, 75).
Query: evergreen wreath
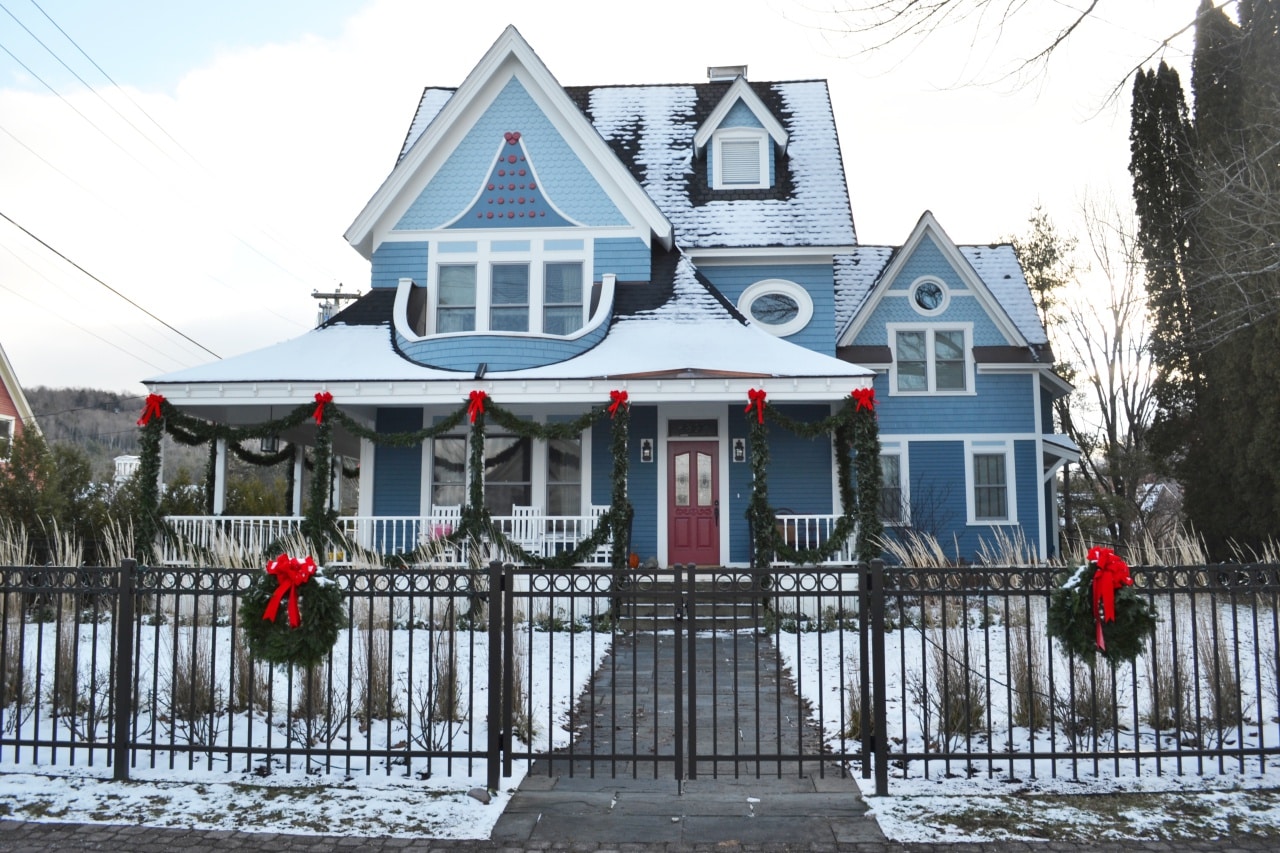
(1079, 611)
(315, 602)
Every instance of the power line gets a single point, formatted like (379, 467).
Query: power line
(181, 334)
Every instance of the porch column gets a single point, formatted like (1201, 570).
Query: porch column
(365, 495)
(335, 483)
(220, 477)
(299, 460)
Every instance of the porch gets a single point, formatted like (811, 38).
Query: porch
(535, 532)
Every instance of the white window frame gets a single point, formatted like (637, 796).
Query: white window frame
(900, 451)
(937, 282)
(789, 289)
(484, 257)
(931, 384)
(1003, 448)
(733, 135)
(6, 440)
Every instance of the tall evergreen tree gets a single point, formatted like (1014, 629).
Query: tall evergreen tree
(1210, 214)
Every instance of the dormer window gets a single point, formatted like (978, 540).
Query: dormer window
(740, 159)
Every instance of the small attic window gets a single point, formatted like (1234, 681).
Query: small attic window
(740, 159)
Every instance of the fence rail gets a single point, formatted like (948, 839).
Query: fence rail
(908, 673)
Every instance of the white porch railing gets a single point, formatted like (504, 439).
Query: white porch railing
(384, 534)
(393, 534)
(812, 531)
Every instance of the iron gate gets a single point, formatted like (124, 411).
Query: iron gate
(698, 680)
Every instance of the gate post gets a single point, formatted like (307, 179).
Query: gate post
(124, 670)
(499, 696)
(878, 712)
(864, 666)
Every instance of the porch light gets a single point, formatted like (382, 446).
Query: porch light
(269, 444)
(739, 450)
(646, 450)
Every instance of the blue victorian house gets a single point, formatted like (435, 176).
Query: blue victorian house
(687, 244)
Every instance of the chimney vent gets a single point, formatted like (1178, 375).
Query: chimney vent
(718, 73)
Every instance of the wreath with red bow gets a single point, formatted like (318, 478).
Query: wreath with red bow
(292, 613)
(1097, 610)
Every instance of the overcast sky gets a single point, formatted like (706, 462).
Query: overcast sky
(203, 160)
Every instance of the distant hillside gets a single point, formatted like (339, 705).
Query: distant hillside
(103, 424)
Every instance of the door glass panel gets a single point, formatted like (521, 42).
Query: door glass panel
(682, 479)
(704, 479)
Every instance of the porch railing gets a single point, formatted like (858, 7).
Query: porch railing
(806, 531)
(382, 534)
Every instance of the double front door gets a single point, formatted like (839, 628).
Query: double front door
(693, 503)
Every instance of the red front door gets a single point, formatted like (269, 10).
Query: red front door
(693, 503)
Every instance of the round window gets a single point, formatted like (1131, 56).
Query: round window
(929, 296)
(774, 309)
(777, 306)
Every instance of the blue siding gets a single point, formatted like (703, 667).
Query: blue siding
(1002, 404)
(394, 261)
(397, 471)
(563, 179)
(500, 352)
(739, 491)
(1046, 410)
(642, 486)
(740, 115)
(626, 257)
(928, 260)
(816, 279)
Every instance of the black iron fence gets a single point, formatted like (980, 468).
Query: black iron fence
(457, 671)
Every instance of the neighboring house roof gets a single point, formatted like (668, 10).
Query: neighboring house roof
(12, 400)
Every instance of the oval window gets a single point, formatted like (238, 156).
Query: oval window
(777, 306)
(774, 309)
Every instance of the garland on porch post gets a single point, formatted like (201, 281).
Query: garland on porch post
(147, 524)
(856, 435)
(319, 519)
(620, 509)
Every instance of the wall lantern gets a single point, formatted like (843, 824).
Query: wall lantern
(269, 444)
(646, 450)
(739, 450)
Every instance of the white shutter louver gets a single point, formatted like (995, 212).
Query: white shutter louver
(740, 162)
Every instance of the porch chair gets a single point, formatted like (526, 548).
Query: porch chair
(604, 551)
(443, 520)
(528, 528)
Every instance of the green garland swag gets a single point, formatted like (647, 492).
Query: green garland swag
(320, 606)
(1073, 623)
(856, 435)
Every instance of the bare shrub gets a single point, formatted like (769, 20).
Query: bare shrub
(1087, 706)
(950, 697)
(1172, 694)
(444, 663)
(1028, 670)
(319, 711)
(1223, 708)
(372, 666)
(251, 682)
(522, 722)
(853, 726)
(195, 700)
(64, 693)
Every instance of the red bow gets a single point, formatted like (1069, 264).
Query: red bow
(865, 398)
(476, 406)
(619, 398)
(322, 400)
(290, 574)
(151, 409)
(756, 396)
(1111, 575)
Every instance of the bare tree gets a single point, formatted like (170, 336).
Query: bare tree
(885, 23)
(1108, 338)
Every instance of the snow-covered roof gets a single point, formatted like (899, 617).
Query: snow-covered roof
(652, 130)
(855, 274)
(997, 265)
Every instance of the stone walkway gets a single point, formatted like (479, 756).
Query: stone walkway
(740, 710)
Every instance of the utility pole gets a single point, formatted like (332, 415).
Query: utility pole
(331, 303)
